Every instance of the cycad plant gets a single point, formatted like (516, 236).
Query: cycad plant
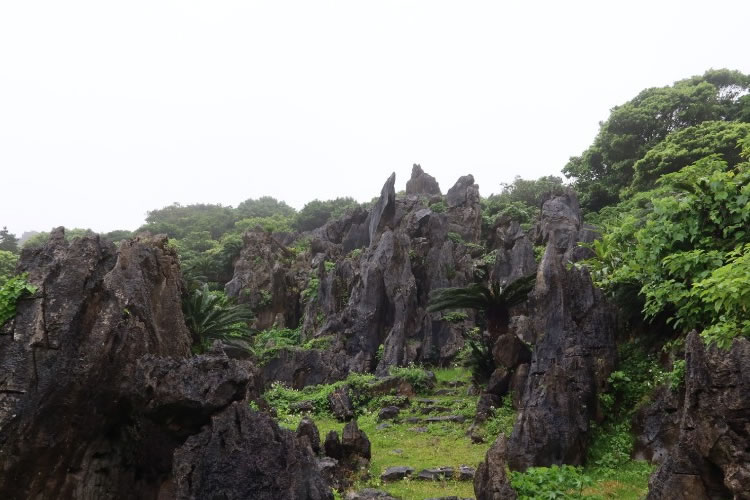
(211, 316)
(495, 301)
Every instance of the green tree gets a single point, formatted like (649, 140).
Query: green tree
(265, 206)
(177, 221)
(686, 146)
(8, 261)
(317, 212)
(8, 241)
(684, 248)
(634, 128)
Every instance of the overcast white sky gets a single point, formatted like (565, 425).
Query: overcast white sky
(110, 109)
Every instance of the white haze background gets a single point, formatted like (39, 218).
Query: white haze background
(110, 109)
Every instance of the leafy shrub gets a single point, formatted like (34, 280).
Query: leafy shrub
(502, 420)
(685, 249)
(8, 261)
(455, 317)
(438, 207)
(10, 292)
(312, 290)
(329, 266)
(267, 343)
(417, 376)
(282, 398)
(676, 377)
(556, 482)
(455, 238)
(354, 254)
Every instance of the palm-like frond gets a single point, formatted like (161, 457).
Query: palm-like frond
(478, 296)
(210, 316)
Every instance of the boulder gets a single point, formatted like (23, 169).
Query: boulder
(355, 445)
(307, 430)
(369, 494)
(491, 481)
(435, 474)
(341, 404)
(396, 473)
(712, 456)
(388, 413)
(244, 454)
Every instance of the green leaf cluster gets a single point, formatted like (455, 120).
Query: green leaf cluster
(608, 166)
(8, 261)
(12, 290)
(550, 483)
(210, 316)
(684, 247)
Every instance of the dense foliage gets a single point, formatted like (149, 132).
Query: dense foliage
(12, 290)
(8, 261)
(608, 166)
(8, 241)
(685, 248)
(520, 200)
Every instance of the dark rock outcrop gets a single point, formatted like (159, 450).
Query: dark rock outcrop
(490, 480)
(244, 454)
(388, 413)
(656, 425)
(358, 301)
(422, 183)
(574, 350)
(355, 445)
(712, 456)
(100, 392)
(265, 280)
(308, 431)
(341, 404)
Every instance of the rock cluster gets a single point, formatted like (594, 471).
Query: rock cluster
(365, 281)
(99, 397)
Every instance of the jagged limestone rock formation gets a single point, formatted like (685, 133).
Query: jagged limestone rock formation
(574, 349)
(712, 456)
(98, 392)
(422, 183)
(358, 301)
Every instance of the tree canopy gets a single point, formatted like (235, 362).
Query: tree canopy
(607, 167)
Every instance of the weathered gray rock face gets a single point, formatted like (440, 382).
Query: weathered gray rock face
(464, 210)
(712, 456)
(265, 279)
(515, 254)
(422, 183)
(97, 389)
(490, 481)
(656, 426)
(225, 461)
(64, 424)
(573, 354)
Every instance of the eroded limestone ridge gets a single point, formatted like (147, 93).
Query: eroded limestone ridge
(100, 399)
